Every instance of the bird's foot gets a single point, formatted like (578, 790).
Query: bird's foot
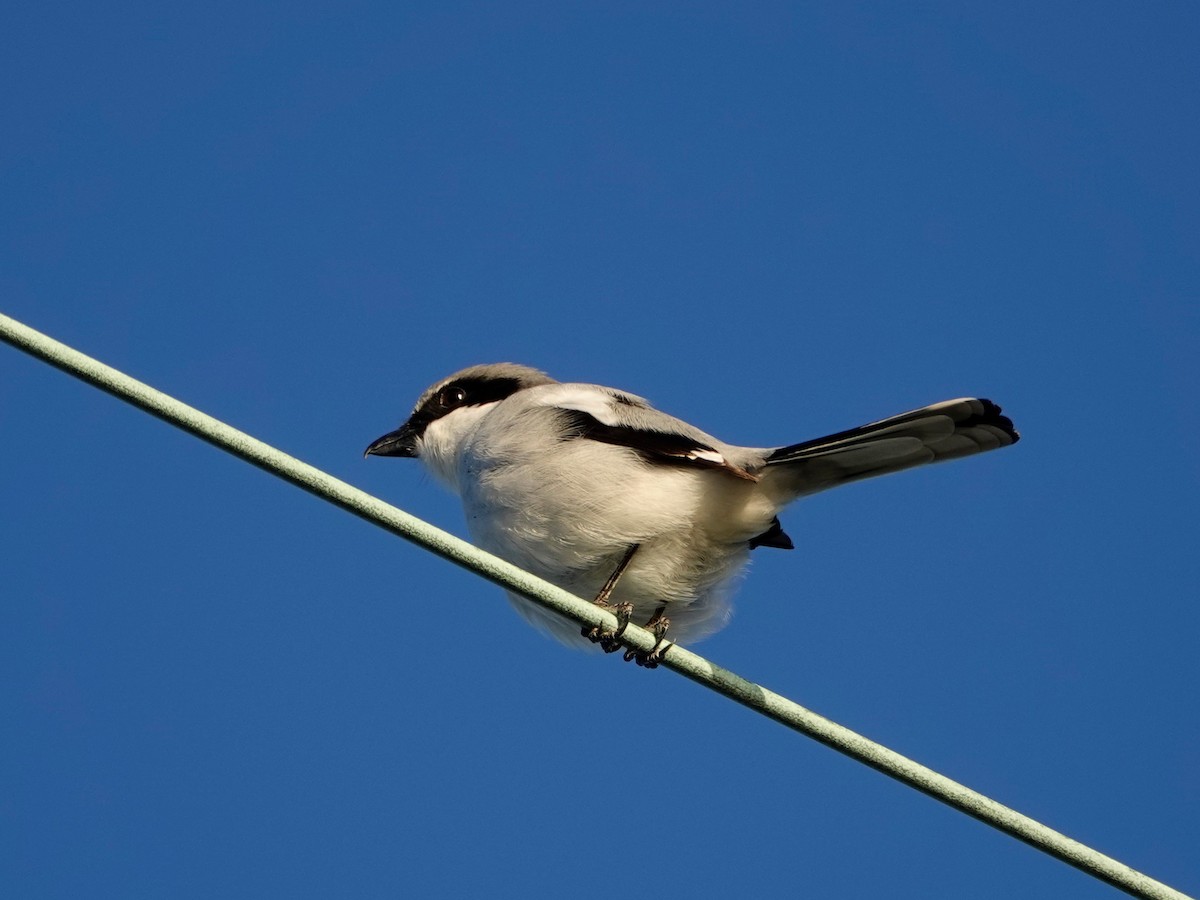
(650, 659)
(609, 641)
(653, 658)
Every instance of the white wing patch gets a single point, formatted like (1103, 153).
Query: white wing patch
(711, 456)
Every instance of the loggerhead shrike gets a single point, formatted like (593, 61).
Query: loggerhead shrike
(594, 490)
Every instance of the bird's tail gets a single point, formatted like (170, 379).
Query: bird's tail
(943, 431)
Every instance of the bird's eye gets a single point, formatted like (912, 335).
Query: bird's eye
(451, 397)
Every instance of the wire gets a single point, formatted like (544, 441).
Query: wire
(683, 661)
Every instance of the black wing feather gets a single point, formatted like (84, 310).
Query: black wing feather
(655, 446)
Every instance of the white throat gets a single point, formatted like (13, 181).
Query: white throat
(441, 447)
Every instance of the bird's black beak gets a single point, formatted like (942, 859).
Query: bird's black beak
(401, 442)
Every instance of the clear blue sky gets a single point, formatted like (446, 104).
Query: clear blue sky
(776, 222)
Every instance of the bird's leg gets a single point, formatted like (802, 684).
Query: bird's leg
(610, 641)
(658, 624)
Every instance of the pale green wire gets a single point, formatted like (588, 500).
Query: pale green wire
(509, 576)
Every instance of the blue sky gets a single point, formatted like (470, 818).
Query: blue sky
(775, 222)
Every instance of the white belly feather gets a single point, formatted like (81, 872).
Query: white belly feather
(687, 556)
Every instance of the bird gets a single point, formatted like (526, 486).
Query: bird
(594, 490)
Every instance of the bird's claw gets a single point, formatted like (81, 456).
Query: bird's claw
(609, 641)
(650, 659)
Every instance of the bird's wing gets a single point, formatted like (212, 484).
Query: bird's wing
(587, 412)
(655, 446)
